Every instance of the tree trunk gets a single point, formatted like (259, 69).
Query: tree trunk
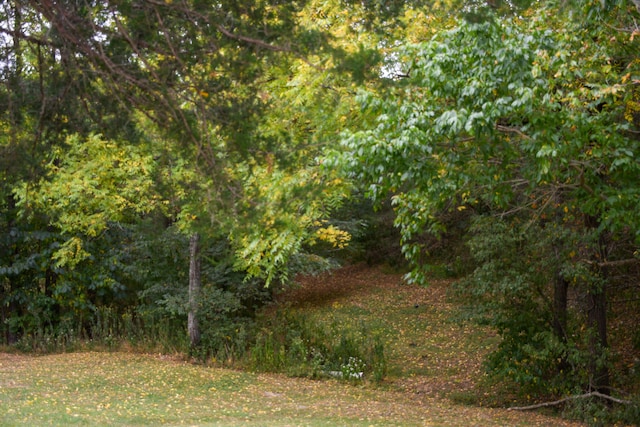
(597, 318)
(560, 297)
(560, 303)
(560, 292)
(597, 321)
(194, 290)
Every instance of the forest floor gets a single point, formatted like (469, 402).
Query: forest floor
(435, 376)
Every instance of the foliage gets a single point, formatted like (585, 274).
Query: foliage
(412, 148)
(473, 125)
(528, 126)
(291, 343)
(127, 126)
(227, 301)
(173, 121)
(594, 412)
(95, 182)
(512, 290)
(282, 211)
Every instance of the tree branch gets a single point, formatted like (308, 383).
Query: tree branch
(509, 129)
(251, 40)
(566, 399)
(265, 45)
(617, 263)
(27, 37)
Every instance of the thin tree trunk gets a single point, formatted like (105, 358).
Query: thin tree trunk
(560, 299)
(560, 287)
(597, 319)
(10, 309)
(560, 304)
(194, 290)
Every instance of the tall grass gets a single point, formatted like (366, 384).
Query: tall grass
(111, 330)
(296, 344)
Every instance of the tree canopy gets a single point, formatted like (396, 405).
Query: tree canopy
(529, 126)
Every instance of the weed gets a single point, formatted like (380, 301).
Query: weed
(292, 343)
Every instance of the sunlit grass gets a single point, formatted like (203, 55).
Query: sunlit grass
(127, 389)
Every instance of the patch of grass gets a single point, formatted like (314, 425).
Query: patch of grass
(120, 389)
(321, 344)
(464, 397)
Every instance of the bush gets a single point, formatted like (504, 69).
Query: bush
(511, 289)
(596, 412)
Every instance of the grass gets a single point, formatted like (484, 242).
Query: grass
(129, 389)
(434, 372)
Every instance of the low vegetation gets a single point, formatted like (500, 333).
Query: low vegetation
(434, 371)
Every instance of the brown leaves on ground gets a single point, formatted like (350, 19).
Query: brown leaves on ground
(431, 356)
(428, 351)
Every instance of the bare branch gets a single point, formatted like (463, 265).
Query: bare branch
(566, 399)
(26, 37)
(509, 129)
(617, 263)
(251, 40)
(168, 38)
(583, 184)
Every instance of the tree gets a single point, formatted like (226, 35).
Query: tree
(194, 290)
(500, 118)
(174, 111)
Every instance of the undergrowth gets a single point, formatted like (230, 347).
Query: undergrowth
(108, 330)
(283, 341)
(291, 342)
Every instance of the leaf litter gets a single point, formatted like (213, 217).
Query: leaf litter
(430, 357)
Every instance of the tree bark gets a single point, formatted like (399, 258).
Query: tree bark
(597, 321)
(560, 287)
(560, 299)
(560, 304)
(194, 290)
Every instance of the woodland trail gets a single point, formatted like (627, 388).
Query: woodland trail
(435, 361)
